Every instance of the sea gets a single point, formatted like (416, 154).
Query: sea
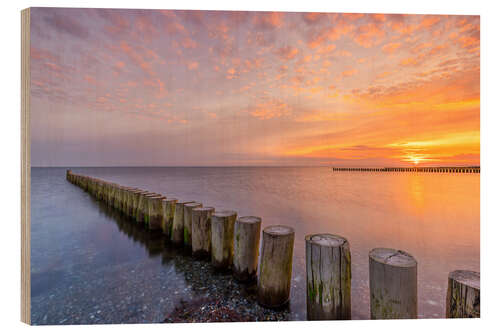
(89, 266)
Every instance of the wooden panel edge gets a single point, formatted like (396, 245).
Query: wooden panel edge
(25, 168)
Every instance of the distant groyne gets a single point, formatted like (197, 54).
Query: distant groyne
(474, 169)
(232, 244)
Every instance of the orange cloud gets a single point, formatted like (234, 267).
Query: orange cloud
(192, 65)
(188, 43)
(391, 47)
(287, 52)
(269, 20)
(368, 35)
(332, 33)
(349, 72)
(269, 110)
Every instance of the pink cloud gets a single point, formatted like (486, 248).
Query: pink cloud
(269, 20)
(188, 43)
(391, 47)
(287, 52)
(349, 72)
(368, 35)
(192, 65)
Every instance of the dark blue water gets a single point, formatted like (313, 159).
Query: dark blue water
(89, 265)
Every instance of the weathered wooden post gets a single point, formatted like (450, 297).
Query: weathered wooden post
(141, 207)
(111, 195)
(188, 221)
(246, 248)
(168, 209)
(178, 223)
(275, 271)
(222, 230)
(148, 209)
(117, 194)
(201, 231)
(155, 212)
(126, 200)
(463, 296)
(135, 202)
(328, 266)
(131, 202)
(393, 284)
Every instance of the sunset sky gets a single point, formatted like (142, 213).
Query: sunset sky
(203, 88)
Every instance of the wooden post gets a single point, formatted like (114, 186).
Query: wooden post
(168, 208)
(393, 284)
(135, 202)
(463, 296)
(178, 223)
(201, 233)
(111, 200)
(328, 266)
(142, 206)
(275, 271)
(155, 212)
(147, 207)
(222, 230)
(188, 208)
(127, 201)
(246, 248)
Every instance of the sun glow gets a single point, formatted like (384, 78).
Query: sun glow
(415, 158)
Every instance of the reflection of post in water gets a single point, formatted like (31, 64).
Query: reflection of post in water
(152, 240)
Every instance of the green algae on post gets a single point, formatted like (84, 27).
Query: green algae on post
(393, 284)
(222, 239)
(275, 273)
(246, 248)
(328, 267)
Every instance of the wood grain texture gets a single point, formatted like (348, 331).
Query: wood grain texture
(222, 231)
(177, 236)
(155, 212)
(393, 284)
(201, 228)
(246, 248)
(168, 207)
(25, 168)
(463, 295)
(275, 271)
(188, 221)
(328, 267)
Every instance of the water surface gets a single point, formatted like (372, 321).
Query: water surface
(89, 265)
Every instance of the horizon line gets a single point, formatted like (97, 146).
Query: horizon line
(253, 166)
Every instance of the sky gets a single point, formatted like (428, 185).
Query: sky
(214, 88)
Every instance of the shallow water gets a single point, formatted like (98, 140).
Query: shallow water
(88, 265)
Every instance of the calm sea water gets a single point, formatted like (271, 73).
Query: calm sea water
(88, 266)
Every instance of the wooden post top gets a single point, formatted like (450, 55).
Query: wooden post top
(183, 202)
(278, 230)
(168, 199)
(149, 194)
(249, 219)
(224, 213)
(203, 209)
(468, 278)
(193, 204)
(393, 257)
(327, 240)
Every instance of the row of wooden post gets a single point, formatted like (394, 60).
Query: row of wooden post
(415, 169)
(233, 244)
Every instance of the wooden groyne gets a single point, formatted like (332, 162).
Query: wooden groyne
(232, 243)
(473, 169)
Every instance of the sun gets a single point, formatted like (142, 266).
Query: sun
(414, 159)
